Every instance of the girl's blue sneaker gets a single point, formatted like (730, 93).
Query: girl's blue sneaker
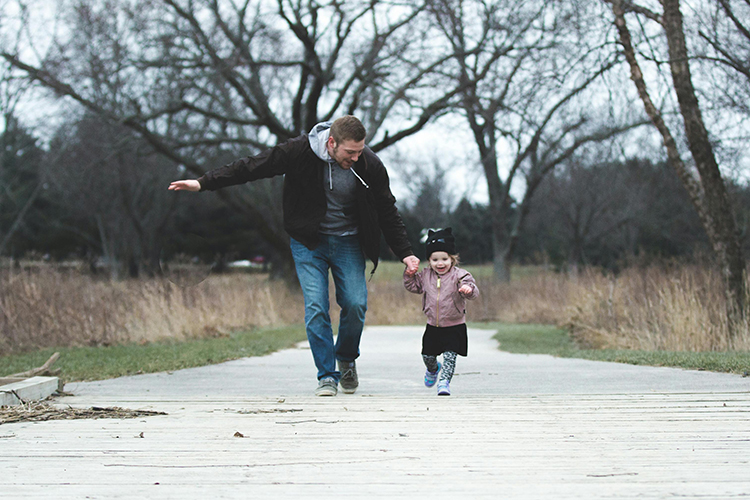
(444, 388)
(430, 378)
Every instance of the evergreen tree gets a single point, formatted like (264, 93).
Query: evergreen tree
(20, 187)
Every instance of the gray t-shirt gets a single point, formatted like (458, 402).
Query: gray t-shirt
(340, 186)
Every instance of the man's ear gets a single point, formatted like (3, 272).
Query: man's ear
(331, 143)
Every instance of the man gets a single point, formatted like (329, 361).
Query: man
(337, 203)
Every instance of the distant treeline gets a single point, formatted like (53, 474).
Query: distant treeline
(585, 214)
(98, 193)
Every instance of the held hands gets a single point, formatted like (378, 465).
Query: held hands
(188, 185)
(412, 265)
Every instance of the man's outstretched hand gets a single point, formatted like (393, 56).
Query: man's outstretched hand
(412, 265)
(188, 185)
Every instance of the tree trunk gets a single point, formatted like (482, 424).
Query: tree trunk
(725, 241)
(500, 258)
(498, 215)
(709, 196)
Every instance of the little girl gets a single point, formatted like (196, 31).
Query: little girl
(444, 288)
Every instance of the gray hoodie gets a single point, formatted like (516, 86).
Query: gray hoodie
(340, 187)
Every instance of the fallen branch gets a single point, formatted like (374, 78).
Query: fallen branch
(42, 370)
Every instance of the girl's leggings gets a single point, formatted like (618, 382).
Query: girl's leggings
(449, 364)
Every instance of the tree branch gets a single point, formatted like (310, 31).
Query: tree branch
(629, 7)
(159, 144)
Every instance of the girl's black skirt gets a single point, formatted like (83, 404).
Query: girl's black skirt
(436, 340)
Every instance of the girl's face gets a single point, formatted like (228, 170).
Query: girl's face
(440, 262)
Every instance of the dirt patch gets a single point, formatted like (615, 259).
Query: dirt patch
(39, 411)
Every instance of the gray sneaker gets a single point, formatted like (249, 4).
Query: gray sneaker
(349, 381)
(327, 386)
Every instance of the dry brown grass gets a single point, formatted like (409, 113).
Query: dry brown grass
(533, 299)
(656, 308)
(678, 308)
(670, 308)
(46, 307)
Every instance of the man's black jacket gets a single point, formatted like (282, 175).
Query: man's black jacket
(305, 200)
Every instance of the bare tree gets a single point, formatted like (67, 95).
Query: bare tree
(719, 38)
(707, 191)
(107, 179)
(591, 207)
(726, 33)
(193, 77)
(524, 78)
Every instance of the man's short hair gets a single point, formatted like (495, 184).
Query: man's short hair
(348, 128)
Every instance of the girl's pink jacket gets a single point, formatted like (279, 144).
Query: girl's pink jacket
(441, 302)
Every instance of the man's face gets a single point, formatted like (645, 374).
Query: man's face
(347, 152)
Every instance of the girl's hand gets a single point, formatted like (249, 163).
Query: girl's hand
(412, 265)
(464, 290)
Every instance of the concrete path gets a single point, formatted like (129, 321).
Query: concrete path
(517, 426)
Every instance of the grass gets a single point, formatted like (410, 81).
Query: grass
(545, 339)
(98, 363)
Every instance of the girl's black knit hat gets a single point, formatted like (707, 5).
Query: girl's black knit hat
(441, 240)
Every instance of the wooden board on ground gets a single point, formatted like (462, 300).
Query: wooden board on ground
(685, 445)
(30, 389)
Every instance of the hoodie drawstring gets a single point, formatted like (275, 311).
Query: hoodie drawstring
(330, 177)
(358, 177)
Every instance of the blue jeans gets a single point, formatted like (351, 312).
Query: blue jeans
(344, 257)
